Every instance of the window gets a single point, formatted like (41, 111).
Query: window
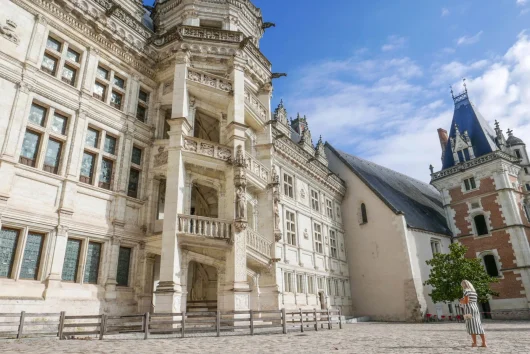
(315, 200)
(480, 225)
(320, 283)
(71, 260)
(31, 259)
(290, 227)
(134, 173)
(526, 170)
(8, 247)
(141, 109)
(333, 243)
(337, 292)
(470, 183)
(288, 185)
(288, 282)
(300, 283)
(436, 247)
(527, 186)
(518, 153)
(44, 139)
(108, 81)
(61, 53)
(124, 262)
(318, 238)
(329, 287)
(491, 265)
(311, 285)
(92, 263)
(99, 145)
(329, 208)
(364, 216)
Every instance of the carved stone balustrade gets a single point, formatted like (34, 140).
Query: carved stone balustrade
(256, 106)
(256, 168)
(207, 148)
(209, 80)
(211, 34)
(203, 226)
(258, 243)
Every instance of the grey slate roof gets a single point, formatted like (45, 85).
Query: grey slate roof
(420, 202)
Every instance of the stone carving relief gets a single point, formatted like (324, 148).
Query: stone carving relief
(161, 157)
(240, 182)
(8, 31)
(275, 186)
(190, 145)
(302, 193)
(241, 301)
(306, 234)
(168, 87)
(280, 114)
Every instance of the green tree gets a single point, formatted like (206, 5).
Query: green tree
(449, 269)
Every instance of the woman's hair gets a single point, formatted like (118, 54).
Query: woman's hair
(466, 285)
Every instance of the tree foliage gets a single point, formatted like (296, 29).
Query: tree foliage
(448, 270)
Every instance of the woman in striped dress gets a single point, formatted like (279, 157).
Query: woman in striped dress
(472, 314)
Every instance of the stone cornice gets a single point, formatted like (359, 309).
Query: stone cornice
(291, 151)
(114, 9)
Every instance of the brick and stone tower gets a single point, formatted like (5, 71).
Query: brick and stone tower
(482, 182)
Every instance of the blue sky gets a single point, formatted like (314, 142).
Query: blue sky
(373, 76)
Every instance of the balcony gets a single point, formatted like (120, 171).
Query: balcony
(256, 107)
(192, 225)
(259, 248)
(209, 80)
(258, 173)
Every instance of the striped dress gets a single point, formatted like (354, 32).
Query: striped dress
(474, 325)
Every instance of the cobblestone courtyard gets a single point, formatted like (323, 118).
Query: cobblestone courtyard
(503, 337)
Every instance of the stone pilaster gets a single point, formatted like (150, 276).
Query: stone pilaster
(90, 70)
(53, 282)
(112, 270)
(37, 40)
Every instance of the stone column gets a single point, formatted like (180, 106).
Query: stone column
(168, 293)
(112, 271)
(236, 290)
(37, 41)
(89, 76)
(54, 278)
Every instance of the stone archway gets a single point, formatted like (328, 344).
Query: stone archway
(202, 287)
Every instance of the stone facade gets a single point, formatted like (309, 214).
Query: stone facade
(143, 170)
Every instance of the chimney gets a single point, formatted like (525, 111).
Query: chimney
(444, 137)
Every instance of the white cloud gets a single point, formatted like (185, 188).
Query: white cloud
(445, 12)
(390, 116)
(394, 42)
(521, 2)
(467, 40)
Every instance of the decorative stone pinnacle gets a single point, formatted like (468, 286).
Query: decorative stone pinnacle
(496, 124)
(510, 132)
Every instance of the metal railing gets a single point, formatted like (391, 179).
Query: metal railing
(144, 325)
(203, 226)
(258, 243)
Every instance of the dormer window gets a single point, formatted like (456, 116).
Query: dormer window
(470, 183)
(463, 155)
(518, 153)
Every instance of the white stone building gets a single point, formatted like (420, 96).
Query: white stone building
(143, 170)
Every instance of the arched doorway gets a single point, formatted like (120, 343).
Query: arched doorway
(202, 283)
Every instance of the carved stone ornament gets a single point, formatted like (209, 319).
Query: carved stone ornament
(327, 240)
(302, 193)
(8, 31)
(280, 113)
(240, 225)
(240, 161)
(278, 236)
(161, 157)
(306, 234)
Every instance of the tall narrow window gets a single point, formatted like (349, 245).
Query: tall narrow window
(480, 225)
(134, 173)
(288, 185)
(364, 215)
(320, 283)
(315, 201)
(53, 156)
(288, 282)
(311, 285)
(491, 265)
(87, 168)
(105, 177)
(124, 262)
(333, 243)
(30, 148)
(31, 259)
(92, 263)
(318, 238)
(8, 247)
(470, 183)
(329, 208)
(436, 247)
(518, 153)
(300, 283)
(290, 226)
(141, 109)
(329, 287)
(71, 260)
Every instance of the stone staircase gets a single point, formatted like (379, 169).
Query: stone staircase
(201, 306)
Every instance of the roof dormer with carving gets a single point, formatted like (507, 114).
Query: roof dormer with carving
(280, 119)
(301, 130)
(320, 153)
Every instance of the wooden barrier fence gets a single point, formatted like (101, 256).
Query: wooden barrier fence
(23, 325)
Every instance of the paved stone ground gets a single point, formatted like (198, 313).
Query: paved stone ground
(366, 338)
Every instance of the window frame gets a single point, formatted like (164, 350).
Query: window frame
(329, 209)
(476, 228)
(288, 281)
(317, 236)
(138, 168)
(437, 246)
(111, 88)
(288, 187)
(470, 184)
(315, 200)
(333, 250)
(300, 283)
(495, 262)
(290, 233)
(364, 214)
(82, 259)
(63, 59)
(143, 104)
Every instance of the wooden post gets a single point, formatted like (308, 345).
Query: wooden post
(218, 323)
(183, 325)
(329, 320)
(301, 321)
(284, 321)
(102, 326)
(251, 323)
(21, 324)
(61, 325)
(316, 319)
(146, 325)
(340, 319)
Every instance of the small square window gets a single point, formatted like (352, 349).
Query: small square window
(115, 100)
(72, 55)
(136, 157)
(37, 114)
(69, 75)
(53, 44)
(49, 64)
(59, 123)
(102, 73)
(92, 138)
(470, 183)
(110, 144)
(118, 81)
(143, 96)
(99, 91)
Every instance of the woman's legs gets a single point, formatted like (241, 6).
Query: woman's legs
(483, 337)
(474, 338)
